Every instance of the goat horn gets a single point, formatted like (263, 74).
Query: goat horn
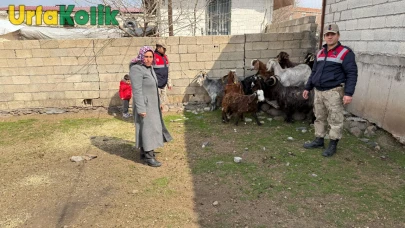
(274, 79)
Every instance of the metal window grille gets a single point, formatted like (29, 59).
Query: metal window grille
(218, 17)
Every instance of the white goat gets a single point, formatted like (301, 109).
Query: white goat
(295, 76)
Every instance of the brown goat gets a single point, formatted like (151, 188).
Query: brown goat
(261, 69)
(284, 60)
(238, 104)
(233, 86)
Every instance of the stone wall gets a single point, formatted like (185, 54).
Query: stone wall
(375, 31)
(295, 25)
(86, 72)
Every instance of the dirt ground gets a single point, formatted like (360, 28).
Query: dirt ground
(195, 187)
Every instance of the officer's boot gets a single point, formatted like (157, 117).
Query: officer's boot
(317, 143)
(331, 150)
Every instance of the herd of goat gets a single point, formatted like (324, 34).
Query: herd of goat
(280, 82)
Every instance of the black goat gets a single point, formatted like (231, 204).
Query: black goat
(289, 98)
(309, 59)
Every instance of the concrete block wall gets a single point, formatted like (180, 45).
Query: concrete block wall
(295, 25)
(268, 45)
(370, 26)
(65, 73)
(375, 30)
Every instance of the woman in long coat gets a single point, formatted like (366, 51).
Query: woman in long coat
(150, 130)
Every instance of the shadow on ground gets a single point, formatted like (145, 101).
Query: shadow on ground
(115, 108)
(117, 146)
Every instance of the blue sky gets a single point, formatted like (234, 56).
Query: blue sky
(302, 3)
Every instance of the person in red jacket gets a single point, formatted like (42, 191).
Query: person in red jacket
(125, 95)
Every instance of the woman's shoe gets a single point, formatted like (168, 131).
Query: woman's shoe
(152, 162)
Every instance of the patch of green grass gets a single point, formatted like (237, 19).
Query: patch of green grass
(353, 183)
(23, 130)
(161, 182)
(68, 124)
(160, 186)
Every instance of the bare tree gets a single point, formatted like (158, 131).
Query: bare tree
(167, 16)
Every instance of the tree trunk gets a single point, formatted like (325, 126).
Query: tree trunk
(170, 17)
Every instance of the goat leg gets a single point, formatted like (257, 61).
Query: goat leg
(224, 117)
(289, 114)
(213, 102)
(238, 118)
(254, 114)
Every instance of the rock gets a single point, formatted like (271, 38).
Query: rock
(364, 140)
(135, 191)
(357, 119)
(76, 158)
(165, 108)
(237, 159)
(248, 120)
(279, 118)
(176, 120)
(361, 125)
(314, 175)
(300, 128)
(304, 131)
(270, 119)
(265, 107)
(215, 203)
(298, 116)
(275, 112)
(355, 131)
(219, 162)
(262, 122)
(372, 144)
(207, 109)
(346, 113)
(290, 138)
(204, 144)
(370, 131)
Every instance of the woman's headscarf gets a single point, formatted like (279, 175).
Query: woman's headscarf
(140, 57)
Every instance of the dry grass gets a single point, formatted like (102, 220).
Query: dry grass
(272, 187)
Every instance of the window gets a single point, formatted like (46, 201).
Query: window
(218, 17)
